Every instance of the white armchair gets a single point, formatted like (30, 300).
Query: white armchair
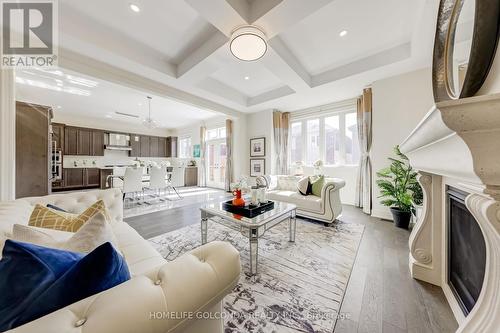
(326, 208)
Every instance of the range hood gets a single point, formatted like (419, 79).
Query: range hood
(117, 141)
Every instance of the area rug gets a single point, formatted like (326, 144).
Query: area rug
(299, 286)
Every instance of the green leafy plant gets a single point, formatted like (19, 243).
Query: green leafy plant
(398, 184)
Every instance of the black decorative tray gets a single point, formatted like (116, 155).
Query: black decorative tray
(248, 210)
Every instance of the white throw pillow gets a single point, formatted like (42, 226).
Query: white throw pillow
(302, 185)
(91, 234)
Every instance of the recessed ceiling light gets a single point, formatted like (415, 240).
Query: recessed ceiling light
(343, 33)
(134, 8)
(58, 106)
(247, 77)
(109, 116)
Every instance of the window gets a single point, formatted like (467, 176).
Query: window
(351, 139)
(216, 133)
(296, 143)
(332, 138)
(312, 143)
(185, 147)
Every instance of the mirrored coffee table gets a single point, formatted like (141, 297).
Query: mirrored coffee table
(251, 228)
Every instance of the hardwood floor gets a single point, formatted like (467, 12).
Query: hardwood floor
(380, 297)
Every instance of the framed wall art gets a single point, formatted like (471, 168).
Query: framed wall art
(258, 147)
(257, 167)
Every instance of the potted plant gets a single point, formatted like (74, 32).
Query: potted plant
(398, 186)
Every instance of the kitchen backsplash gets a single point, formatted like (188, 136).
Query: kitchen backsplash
(116, 157)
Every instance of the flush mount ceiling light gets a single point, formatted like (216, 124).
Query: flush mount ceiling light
(343, 33)
(248, 43)
(150, 122)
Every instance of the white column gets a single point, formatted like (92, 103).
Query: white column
(7, 134)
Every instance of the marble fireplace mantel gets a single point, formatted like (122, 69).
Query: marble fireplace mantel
(458, 144)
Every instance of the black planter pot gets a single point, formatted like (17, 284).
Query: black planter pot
(401, 217)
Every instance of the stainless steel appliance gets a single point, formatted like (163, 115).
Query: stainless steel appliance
(56, 162)
(117, 141)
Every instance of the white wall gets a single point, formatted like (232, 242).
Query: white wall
(399, 104)
(260, 125)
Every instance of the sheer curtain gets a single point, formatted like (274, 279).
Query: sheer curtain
(281, 125)
(229, 155)
(203, 161)
(364, 181)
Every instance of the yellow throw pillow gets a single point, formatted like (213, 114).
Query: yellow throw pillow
(43, 217)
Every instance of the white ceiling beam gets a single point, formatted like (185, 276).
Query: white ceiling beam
(95, 68)
(219, 13)
(285, 14)
(261, 7)
(387, 57)
(270, 95)
(295, 70)
(220, 89)
(201, 54)
(243, 7)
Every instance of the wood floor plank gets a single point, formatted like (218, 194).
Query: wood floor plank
(381, 296)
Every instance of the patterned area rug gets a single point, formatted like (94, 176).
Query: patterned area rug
(299, 287)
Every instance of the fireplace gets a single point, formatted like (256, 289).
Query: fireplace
(466, 252)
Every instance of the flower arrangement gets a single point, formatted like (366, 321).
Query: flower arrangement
(240, 184)
(318, 166)
(299, 170)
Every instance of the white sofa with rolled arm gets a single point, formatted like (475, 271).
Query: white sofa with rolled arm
(326, 208)
(161, 296)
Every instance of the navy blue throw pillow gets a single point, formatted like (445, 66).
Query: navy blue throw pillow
(35, 280)
(56, 208)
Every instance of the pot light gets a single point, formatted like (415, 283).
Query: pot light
(134, 8)
(247, 78)
(248, 43)
(343, 33)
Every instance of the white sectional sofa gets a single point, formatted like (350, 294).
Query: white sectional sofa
(190, 287)
(326, 208)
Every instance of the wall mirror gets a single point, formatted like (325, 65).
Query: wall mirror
(467, 35)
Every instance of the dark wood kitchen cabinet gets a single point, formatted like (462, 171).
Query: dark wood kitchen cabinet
(97, 143)
(84, 143)
(33, 172)
(171, 146)
(92, 177)
(135, 144)
(153, 146)
(81, 178)
(191, 176)
(145, 146)
(162, 147)
(74, 178)
(70, 140)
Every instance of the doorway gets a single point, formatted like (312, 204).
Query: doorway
(216, 158)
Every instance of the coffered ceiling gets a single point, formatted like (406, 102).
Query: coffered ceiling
(182, 47)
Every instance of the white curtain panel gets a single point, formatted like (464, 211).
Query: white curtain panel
(281, 124)
(229, 155)
(364, 180)
(203, 160)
